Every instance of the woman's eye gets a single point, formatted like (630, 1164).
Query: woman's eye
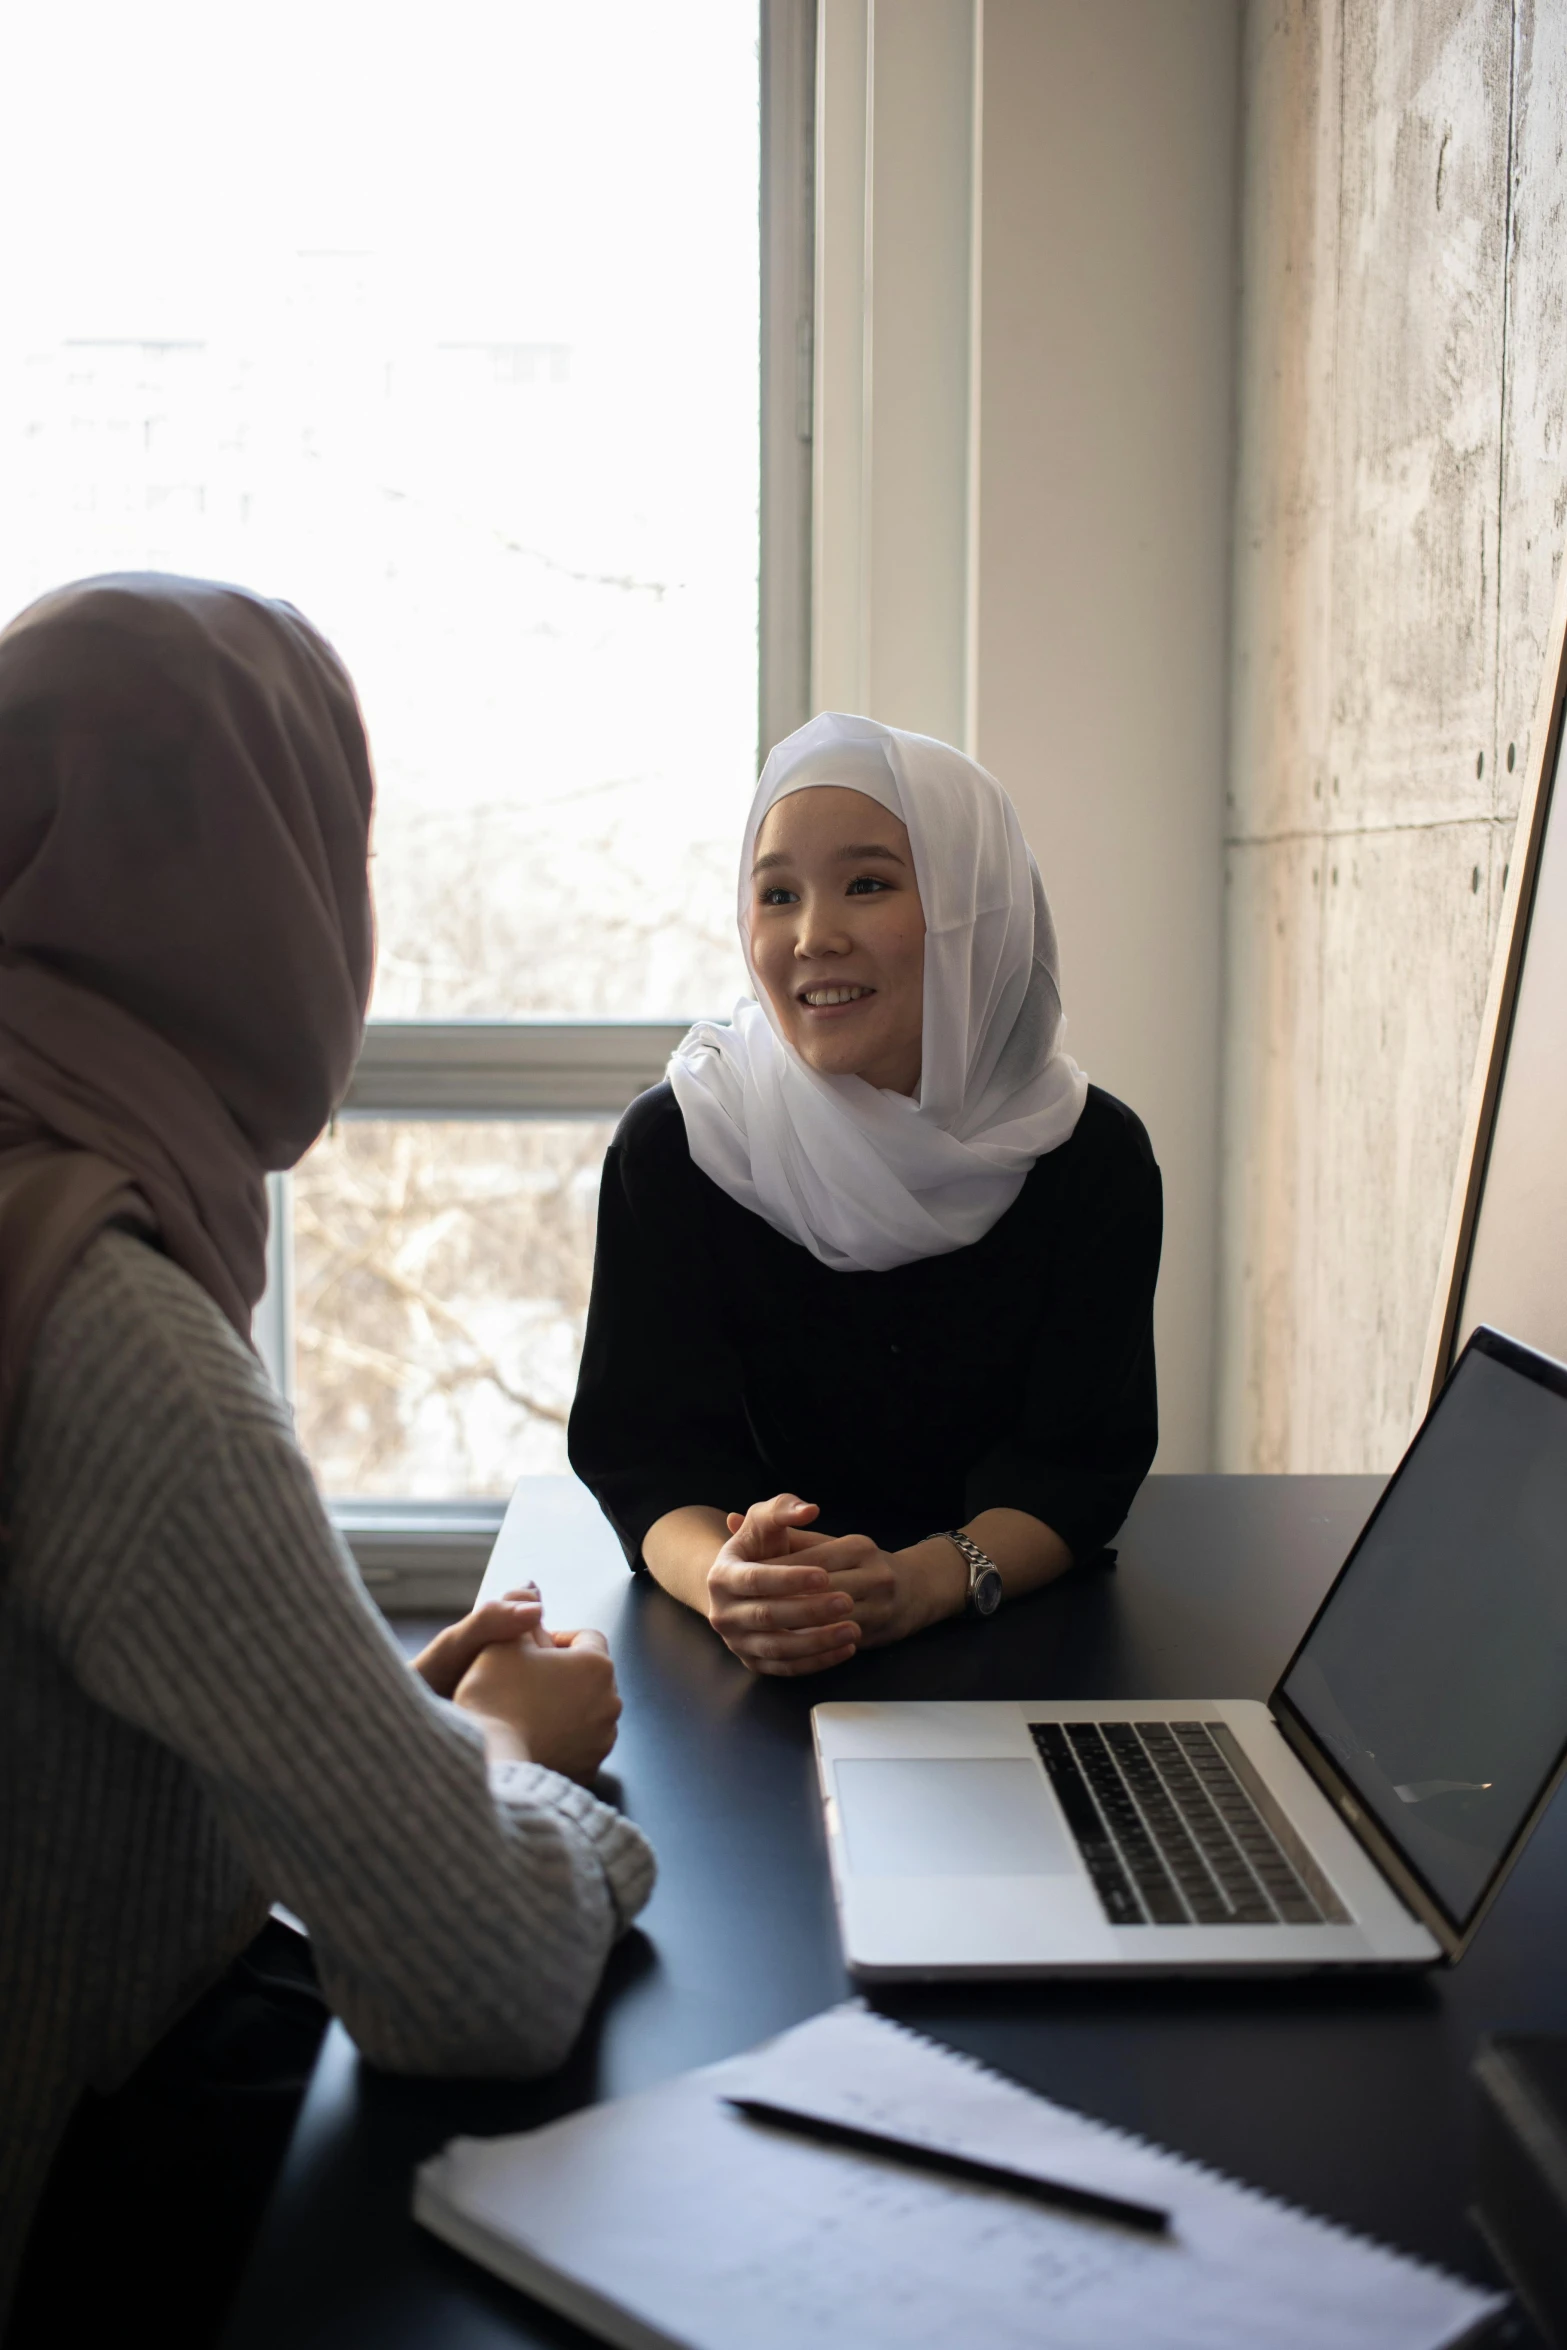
(777, 896)
(864, 884)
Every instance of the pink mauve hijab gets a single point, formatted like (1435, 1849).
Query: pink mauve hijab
(185, 928)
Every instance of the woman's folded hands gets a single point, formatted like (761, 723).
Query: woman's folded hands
(787, 1600)
(538, 1696)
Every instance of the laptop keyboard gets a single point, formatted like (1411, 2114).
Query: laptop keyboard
(1170, 1834)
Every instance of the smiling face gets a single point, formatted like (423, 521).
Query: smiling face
(838, 935)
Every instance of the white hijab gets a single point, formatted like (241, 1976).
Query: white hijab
(863, 1178)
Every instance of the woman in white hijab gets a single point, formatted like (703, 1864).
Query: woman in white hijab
(871, 1333)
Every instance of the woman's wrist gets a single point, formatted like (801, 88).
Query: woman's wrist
(679, 1550)
(503, 1741)
(939, 1573)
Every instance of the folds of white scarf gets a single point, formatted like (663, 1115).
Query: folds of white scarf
(866, 1179)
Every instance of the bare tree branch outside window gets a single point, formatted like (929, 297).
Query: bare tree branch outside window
(442, 1274)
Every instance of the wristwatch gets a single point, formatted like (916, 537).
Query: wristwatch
(984, 1576)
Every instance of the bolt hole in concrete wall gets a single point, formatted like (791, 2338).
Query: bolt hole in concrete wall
(1400, 509)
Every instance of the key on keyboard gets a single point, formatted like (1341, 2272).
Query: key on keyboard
(1168, 1833)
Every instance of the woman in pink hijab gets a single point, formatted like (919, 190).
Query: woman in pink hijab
(200, 1711)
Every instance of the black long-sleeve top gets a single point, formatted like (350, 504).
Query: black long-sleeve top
(724, 1363)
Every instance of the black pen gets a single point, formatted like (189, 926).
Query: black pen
(1088, 2200)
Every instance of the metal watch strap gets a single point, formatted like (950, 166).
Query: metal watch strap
(980, 1565)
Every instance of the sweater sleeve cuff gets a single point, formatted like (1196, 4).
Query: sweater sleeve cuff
(621, 1850)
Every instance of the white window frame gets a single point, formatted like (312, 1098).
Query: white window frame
(430, 1555)
(788, 233)
(419, 1555)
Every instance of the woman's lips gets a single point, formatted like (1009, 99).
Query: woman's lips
(841, 997)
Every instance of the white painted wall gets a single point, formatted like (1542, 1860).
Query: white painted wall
(1106, 370)
(1024, 376)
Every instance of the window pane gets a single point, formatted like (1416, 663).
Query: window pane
(446, 329)
(441, 1290)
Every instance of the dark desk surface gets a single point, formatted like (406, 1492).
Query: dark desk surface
(1349, 2096)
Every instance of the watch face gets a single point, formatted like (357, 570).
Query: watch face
(987, 1592)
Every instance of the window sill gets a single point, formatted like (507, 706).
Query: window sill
(420, 1557)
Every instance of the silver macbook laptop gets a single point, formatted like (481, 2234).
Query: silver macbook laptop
(1365, 1816)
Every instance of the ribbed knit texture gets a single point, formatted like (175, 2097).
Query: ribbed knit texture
(202, 1712)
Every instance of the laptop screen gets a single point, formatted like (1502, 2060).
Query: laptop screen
(1435, 1674)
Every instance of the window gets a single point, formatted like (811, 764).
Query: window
(460, 343)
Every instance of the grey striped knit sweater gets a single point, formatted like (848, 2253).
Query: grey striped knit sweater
(201, 1712)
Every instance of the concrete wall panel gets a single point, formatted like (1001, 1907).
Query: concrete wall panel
(1404, 964)
(1403, 391)
(1422, 213)
(1282, 679)
(1534, 446)
(1274, 893)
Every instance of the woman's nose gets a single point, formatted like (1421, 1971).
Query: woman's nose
(818, 935)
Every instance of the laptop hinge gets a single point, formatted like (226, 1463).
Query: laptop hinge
(1367, 1833)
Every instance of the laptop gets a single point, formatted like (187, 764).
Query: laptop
(1365, 1816)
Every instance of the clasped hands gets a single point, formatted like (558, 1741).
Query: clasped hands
(538, 1696)
(787, 1600)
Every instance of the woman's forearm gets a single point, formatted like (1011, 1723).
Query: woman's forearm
(679, 1549)
(1027, 1551)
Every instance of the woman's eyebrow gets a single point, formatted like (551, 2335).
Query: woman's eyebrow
(848, 856)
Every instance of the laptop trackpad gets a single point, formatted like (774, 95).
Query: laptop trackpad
(981, 1818)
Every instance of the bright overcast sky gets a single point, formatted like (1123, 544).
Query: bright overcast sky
(540, 566)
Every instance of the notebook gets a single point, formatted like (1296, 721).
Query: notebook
(667, 2221)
